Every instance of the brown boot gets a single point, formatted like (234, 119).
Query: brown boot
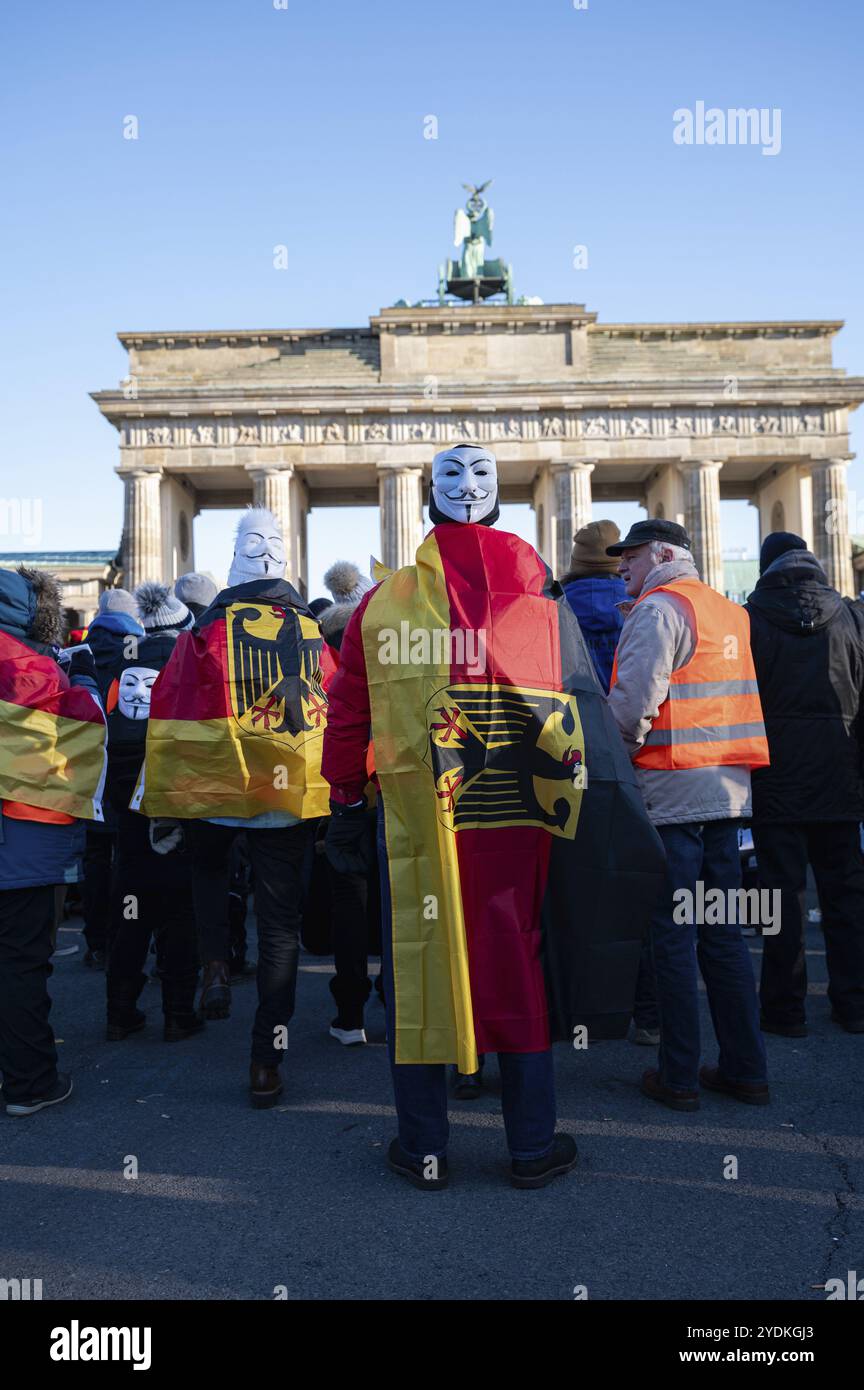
(751, 1092)
(265, 1086)
(215, 990)
(653, 1086)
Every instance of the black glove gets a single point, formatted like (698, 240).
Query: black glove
(347, 843)
(77, 661)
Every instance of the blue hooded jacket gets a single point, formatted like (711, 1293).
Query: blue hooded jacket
(593, 601)
(33, 854)
(105, 640)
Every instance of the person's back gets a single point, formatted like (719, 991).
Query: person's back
(52, 767)
(516, 856)
(808, 649)
(594, 601)
(685, 698)
(593, 589)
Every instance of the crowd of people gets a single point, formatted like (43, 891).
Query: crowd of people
(526, 825)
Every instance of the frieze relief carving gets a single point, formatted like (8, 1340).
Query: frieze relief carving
(443, 428)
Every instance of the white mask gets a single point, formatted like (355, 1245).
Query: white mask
(259, 550)
(133, 691)
(465, 482)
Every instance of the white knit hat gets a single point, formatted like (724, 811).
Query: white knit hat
(159, 609)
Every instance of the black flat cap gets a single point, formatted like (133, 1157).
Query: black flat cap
(668, 532)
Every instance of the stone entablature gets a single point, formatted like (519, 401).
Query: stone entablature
(675, 416)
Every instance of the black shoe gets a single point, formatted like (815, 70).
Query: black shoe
(537, 1172)
(467, 1085)
(416, 1170)
(181, 1026)
(852, 1025)
(240, 970)
(265, 1085)
(122, 1025)
(95, 960)
(61, 1090)
(215, 991)
(783, 1030)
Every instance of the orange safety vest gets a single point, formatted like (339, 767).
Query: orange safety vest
(16, 810)
(712, 716)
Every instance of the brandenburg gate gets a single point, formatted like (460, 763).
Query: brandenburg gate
(674, 416)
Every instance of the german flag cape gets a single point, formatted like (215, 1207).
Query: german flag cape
(237, 716)
(52, 740)
(522, 863)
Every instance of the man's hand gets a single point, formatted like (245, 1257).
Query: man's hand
(76, 662)
(348, 843)
(165, 835)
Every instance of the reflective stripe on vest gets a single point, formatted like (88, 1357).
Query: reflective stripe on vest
(712, 715)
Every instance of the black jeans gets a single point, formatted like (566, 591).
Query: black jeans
(151, 897)
(98, 859)
(279, 870)
(833, 849)
(646, 1010)
(239, 888)
(349, 908)
(28, 1057)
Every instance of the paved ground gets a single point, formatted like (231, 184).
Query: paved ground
(231, 1203)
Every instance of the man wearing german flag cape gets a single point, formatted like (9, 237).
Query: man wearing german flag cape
(52, 771)
(518, 864)
(237, 718)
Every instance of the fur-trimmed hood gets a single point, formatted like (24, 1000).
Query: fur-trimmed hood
(30, 605)
(333, 622)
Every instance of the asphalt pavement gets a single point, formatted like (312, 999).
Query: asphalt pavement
(231, 1203)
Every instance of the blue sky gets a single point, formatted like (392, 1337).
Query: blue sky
(303, 126)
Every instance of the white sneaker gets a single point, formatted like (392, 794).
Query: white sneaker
(348, 1037)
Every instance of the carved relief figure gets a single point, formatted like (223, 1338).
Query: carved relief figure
(596, 425)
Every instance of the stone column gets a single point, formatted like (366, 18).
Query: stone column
(571, 484)
(400, 498)
(142, 526)
(271, 488)
(831, 544)
(702, 510)
(277, 487)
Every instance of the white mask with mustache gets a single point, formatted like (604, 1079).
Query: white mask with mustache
(259, 550)
(133, 691)
(465, 482)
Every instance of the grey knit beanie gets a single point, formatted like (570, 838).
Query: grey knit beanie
(195, 588)
(118, 601)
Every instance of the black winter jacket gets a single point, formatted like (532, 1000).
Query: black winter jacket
(808, 647)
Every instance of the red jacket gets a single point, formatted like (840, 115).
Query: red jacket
(349, 716)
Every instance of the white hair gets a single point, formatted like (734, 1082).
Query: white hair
(679, 552)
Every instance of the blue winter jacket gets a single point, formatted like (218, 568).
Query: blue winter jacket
(33, 853)
(593, 601)
(105, 640)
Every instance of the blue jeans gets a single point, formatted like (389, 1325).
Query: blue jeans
(420, 1089)
(706, 851)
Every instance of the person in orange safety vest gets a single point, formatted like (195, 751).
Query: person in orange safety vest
(686, 701)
